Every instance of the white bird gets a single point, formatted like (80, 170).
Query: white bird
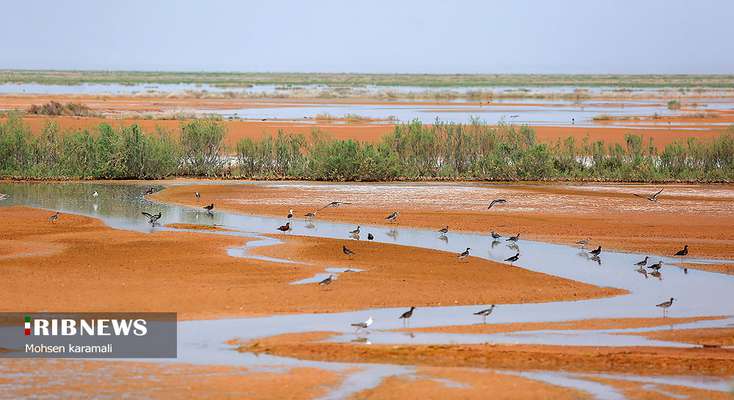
(290, 213)
(95, 194)
(363, 325)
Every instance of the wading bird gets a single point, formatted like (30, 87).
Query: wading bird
(485, 313)
(463, 255)
(496, 201)
(665, 306)
(513, 258)
(370, 236)
(407, 315)
(290, 214)
(393, 216)
(285, 228)
(657, 266)
(495, 235)
(334, 204)
(310, 215)
(596, 251)
(149, 191)
(152, 218)
(355, 232)
(683, 252)
(95, 194)
(347, 251)
(513, 238)
(54, 217)
(444, 230)
(363, 325)
(327, 281)
(652, 197)
(582, 243)
(209, 208)
(643, 262)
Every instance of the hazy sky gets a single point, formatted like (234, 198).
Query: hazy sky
(510, 36)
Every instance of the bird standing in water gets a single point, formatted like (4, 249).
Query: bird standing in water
(495, 235)
(370, 236)
(363, 325)
(596, 251)
(513, 258)
(683, 252)
(152, 218)
(209, 208)
(407, 315)
(513, 238)
(285, 228)
(665, 306)
(642, 263)
(444, 230)
(485, 313)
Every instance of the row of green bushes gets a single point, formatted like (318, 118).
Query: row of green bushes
(411, 151)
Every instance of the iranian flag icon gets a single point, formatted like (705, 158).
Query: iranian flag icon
(27, 325)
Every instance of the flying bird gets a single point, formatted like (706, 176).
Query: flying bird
(393, 216)
(152, 218)
(334, 204)
(652, 197)
(683, 252)
(496, 201)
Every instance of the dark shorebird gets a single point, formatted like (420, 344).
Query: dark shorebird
(596, 251)
(355, 232)
(285, 228)
(310, 215)
(513, 258)
(290, 214)
(370, 236)
(209, 208)
(327, 281)
(363, 325)
(347, 251)
(393, 216)
(485, 313)
(513, 238)
(444, 230)
(496, 201)
(152, 218)
(334, 204)
(54, 217)
(642, 263)
(653, 197)
(495, 235)
(197, 195)
(583, 243)
(683, 252)
(463, 255)
(656, 266)
(665, 305)
(406, 315)
(149, 191)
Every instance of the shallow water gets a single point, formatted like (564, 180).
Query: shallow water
(698, 293)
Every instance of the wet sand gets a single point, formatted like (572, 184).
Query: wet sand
(84, 259)
(707, 337)
(701, 216)
(373, 133)
(631, 360)
(115, 379)
(653, 391)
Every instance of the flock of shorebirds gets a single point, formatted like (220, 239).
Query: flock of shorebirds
(642, 266)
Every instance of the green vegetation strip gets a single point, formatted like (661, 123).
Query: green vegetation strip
(245, 79)
(412, 151)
